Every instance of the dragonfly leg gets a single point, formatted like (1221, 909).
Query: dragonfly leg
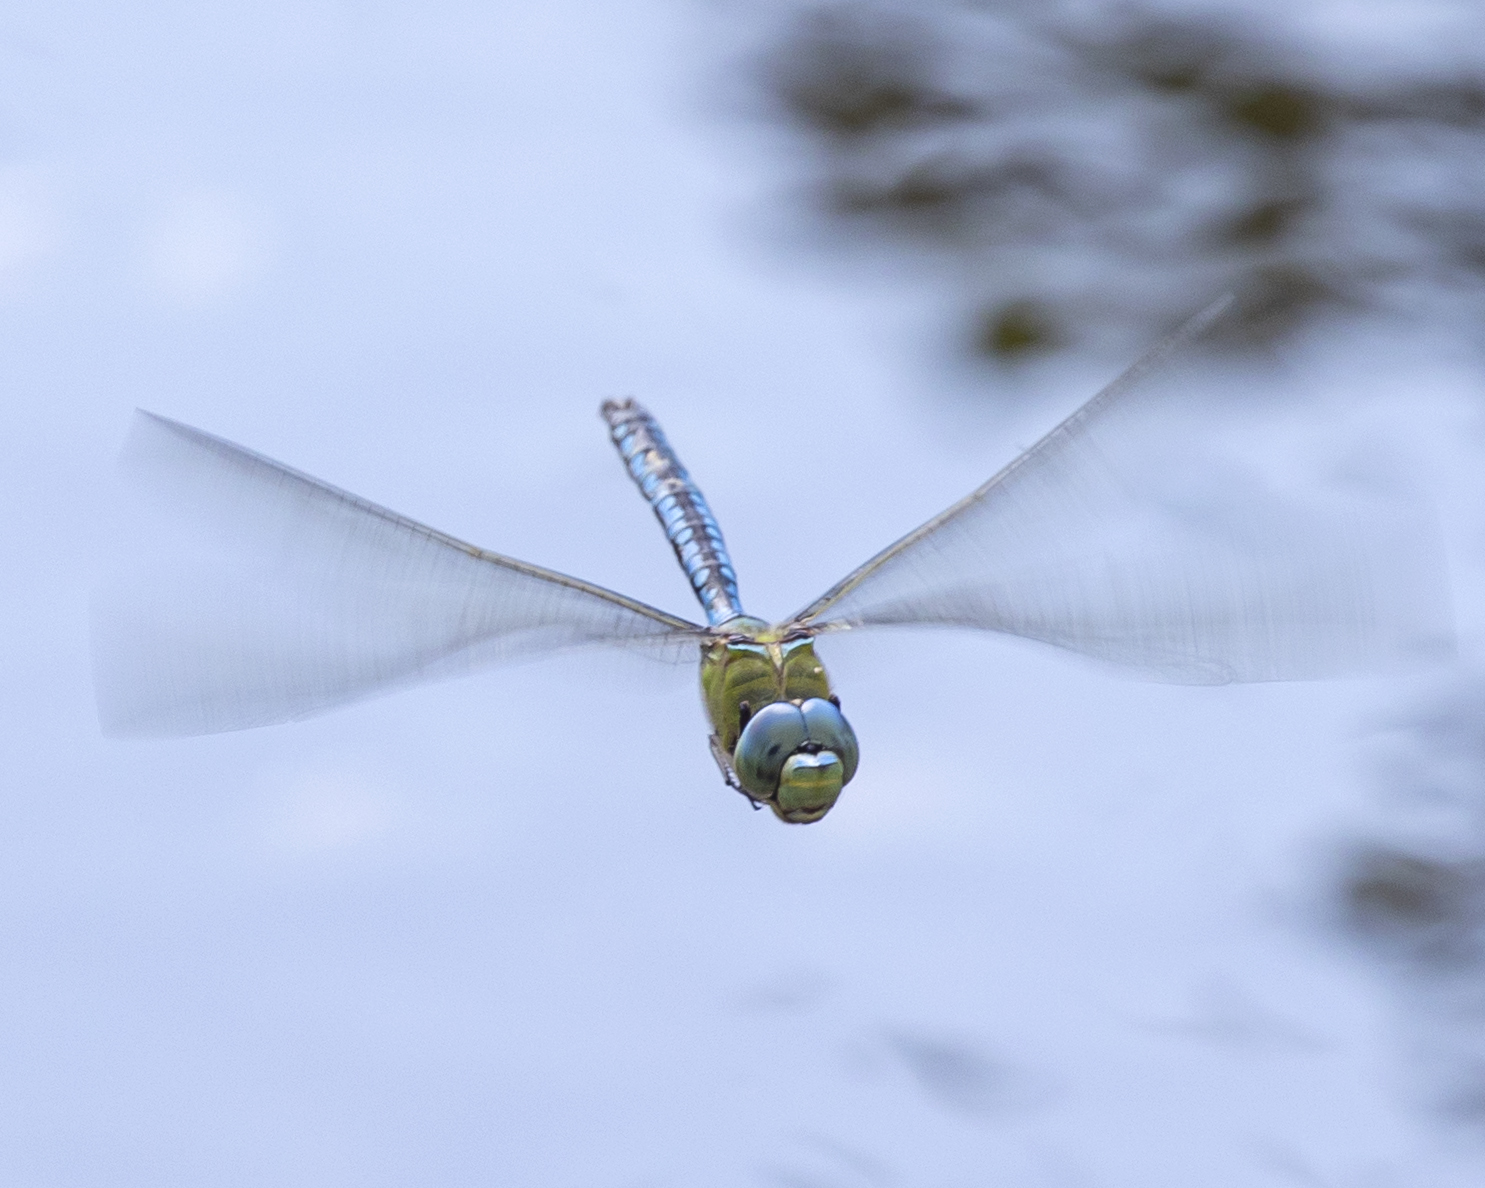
(729, 776)
(724, 764)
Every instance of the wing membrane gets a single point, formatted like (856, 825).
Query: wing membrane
(248, 593)
(1085, 543)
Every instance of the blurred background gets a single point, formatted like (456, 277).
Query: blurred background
(1092, 167)
(1063, 929)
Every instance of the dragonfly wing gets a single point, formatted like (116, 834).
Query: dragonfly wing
(1099, 539)
(247, 593)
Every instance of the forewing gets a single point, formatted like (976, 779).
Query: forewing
(244, 593)
(1107, 538)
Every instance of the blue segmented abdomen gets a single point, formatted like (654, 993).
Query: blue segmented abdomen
(679, 506)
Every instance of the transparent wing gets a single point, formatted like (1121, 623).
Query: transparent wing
(1112, 538)
(245, 593)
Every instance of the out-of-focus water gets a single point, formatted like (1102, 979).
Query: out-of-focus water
(1075, 171)
(1063, 929)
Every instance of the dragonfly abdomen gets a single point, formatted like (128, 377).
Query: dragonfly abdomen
(679, 506)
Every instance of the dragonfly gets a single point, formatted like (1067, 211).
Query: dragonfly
(285, 596)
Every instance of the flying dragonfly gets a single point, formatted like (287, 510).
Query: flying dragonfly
(271, 596)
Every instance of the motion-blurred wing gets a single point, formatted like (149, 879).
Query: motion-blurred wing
(248, 593)
(1085, 542)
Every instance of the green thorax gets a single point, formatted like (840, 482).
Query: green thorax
(759, 665)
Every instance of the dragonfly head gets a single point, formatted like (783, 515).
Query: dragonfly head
(796, 756)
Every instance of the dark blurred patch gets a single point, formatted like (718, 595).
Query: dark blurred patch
(1272, 301)
(1284, 111)
(1420, 907)
(1018, 328)
(960, 1077)
(846, 71)
(1459, 236)
(953, 1074)
(931, 192)
(1136, 162)
(1457, 102)
(1262, 223)
(1162, 54)
(1425, 909)
(1429, 908)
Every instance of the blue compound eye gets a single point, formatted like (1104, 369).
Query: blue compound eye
(772, 734)
(797, 757)
(827, 726)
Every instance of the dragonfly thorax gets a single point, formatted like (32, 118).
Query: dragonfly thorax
(776, 725)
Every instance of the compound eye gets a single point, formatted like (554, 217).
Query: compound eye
(828, 727)
(772, 734)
